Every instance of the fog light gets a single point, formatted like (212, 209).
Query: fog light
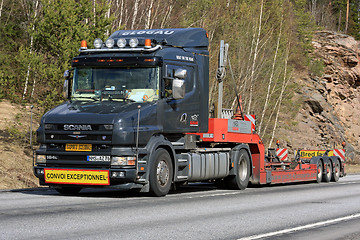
(118, 174)
(40, 159)
(40, 171)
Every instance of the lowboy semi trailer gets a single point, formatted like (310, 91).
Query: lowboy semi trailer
(137, 117)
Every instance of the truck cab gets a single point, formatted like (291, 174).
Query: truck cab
(127, 96)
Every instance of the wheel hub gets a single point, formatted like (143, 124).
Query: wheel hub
(162, 173)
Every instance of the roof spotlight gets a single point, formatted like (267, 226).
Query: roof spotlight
(98, 43)
(109, 43)
(133, 42)
(121, 42)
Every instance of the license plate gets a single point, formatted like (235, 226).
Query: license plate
(78, 147)
(98, 158)
(77, 176)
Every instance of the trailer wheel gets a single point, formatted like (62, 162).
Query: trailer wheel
(328, 172)
(161, 173)
(68, 190)
(242, 171)
(336, 174)
(319, 172)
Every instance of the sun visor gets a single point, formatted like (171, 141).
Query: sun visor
(179, 37)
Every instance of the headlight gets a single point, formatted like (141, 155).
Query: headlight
(123, 161)
(121, 43)
(109, 43)
(98, 43)
(50, 126)
(108, 127)
(133, 42)
(40, 158)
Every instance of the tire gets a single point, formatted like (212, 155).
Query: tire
(320, 171)
(68, 190)
(327, 172)
(161, 173)
(242, 172)
(336, 174)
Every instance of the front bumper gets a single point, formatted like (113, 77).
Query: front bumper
(76, 176)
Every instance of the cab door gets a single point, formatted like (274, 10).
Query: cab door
(180, 115)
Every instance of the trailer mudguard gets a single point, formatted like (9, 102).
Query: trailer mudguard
(234, 155)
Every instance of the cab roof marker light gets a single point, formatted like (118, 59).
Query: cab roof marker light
(133, 42)
(109, 43)
(83, 45)
(121, 42)
(147, 43)
(98, 43)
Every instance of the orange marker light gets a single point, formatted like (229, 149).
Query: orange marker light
(83, 44)
(148, 43)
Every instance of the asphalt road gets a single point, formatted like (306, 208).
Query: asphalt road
(197, 211)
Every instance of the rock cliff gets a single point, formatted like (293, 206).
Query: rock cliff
(330, 109)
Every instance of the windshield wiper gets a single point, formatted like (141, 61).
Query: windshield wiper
(111, 98)
(85, 97)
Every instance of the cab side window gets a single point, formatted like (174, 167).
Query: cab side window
(169, 76)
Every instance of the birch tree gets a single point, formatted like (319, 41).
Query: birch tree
(30, 52)
(255, 57)
(272, 74)
(136, 8)
(284, 85)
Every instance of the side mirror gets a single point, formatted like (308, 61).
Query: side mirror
(66, 74)
(180, 73)
(66, 89)
(178, 88)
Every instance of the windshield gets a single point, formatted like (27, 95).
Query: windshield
(120, 84)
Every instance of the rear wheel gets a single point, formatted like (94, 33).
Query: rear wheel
(242, 171)
(328, 172)
(319, 172)
(68, 190)
(336, 174)
(161, 173)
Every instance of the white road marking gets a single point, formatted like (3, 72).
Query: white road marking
(313, 225)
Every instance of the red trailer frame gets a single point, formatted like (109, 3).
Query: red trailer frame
(263, 171)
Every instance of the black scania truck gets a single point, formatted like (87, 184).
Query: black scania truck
(131, 99)
(137, 118)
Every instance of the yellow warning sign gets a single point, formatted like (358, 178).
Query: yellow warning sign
(307, 154)
(77, 176)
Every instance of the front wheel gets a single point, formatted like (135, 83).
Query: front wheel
(242, 171)
(161, 173)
